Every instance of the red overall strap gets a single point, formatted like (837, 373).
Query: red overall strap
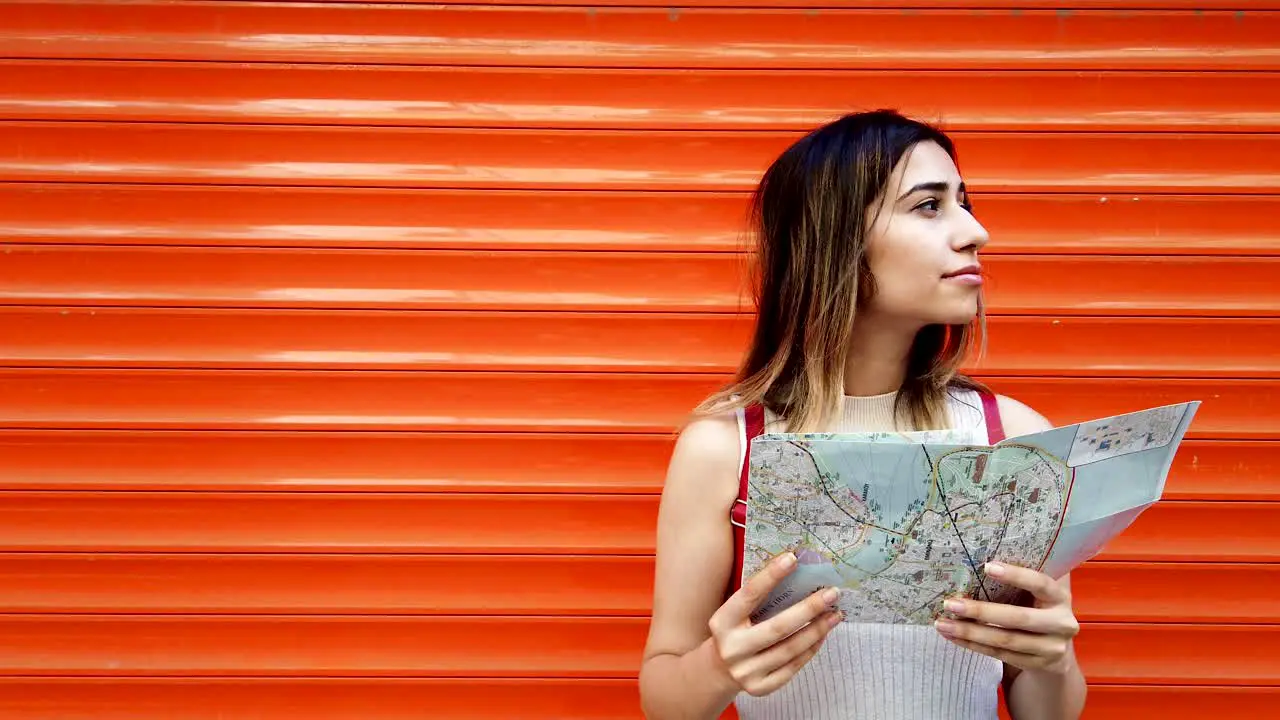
(738, 515)
(991, 410)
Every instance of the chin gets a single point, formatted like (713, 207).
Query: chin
(959, 316)
(956, 320)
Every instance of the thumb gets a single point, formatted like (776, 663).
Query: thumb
(742, 603)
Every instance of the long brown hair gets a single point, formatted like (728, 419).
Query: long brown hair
(808, 216)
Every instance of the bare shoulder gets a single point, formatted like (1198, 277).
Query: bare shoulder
(1019, 418)
(704, 463)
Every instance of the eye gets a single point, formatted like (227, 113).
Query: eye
(932, 205)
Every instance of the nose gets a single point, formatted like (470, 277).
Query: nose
(969, 234)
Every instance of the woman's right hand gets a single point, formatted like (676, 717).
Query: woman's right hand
(760, 658)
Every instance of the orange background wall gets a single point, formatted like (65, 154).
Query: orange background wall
(342, 343)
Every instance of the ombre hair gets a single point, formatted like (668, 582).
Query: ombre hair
(809, 218)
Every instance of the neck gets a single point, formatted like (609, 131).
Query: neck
(878, 350)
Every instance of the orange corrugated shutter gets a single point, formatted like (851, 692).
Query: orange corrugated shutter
(342, 342)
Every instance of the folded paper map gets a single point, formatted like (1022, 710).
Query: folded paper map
(902, 521)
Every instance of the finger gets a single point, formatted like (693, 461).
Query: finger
(1017, 659)
(738, 608)
(1045, 588)
(788, 621)
(1036, 620)
(784, 652)
(783, 675)
(1004, 638)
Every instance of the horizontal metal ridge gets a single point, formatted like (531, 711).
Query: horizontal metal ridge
(1019, 223)
(511, 647)
(370, 584)
(199, 92)
(641, 282)
(695, 160)
(588, 341)
(519, 402)
(591, 463)
(331, 698)
(642, 37)
(484, 524)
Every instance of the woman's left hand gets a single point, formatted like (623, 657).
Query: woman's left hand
(1030, 638)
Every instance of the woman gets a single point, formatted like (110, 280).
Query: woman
(869, 296)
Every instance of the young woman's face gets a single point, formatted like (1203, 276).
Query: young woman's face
(922, 243)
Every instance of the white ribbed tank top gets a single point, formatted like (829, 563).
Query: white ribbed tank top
(887, 672)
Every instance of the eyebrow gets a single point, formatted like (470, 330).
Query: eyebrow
(935, 186)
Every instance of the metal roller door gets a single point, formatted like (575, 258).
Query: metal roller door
(342, 343)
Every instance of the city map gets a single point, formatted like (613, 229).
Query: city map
(902, 521)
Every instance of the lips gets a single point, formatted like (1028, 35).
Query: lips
(966, 270)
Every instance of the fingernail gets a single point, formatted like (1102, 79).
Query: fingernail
(831, 595)
(788, 561)
(954, 606)
(995, 569)
(835, 618)
(946, 627)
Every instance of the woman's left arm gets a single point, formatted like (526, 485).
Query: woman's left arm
(1036, 695)
(1042, 680)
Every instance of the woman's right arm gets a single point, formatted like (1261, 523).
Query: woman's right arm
(700, 654)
